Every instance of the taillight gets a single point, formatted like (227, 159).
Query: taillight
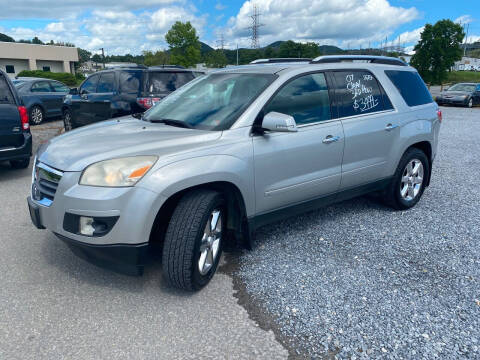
(22, 110)
(439, 115)
(147, 102)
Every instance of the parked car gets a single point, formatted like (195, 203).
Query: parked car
(232, 151)
(121, 91)
(464, 94)
(42, 97)
(15, 136)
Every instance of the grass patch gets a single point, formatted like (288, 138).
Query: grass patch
(463, 76)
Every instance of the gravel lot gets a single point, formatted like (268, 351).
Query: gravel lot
(359, 280)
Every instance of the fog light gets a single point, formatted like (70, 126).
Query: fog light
(86, 226)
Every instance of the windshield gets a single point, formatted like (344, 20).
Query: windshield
(462, 87)
(211, 102)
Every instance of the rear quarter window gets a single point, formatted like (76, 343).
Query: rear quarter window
(411, 86)
(167, 82)
(6, 96)
(130, 81)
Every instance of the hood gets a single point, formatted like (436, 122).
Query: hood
(121, 137)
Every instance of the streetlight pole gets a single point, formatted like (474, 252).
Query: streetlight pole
(103, 57)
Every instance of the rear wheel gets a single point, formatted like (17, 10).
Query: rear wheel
(20, 164)
(409, 180)
(67, 120)
(36, 115)
(193, 241)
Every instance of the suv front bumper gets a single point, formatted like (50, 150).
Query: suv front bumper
(124, 247)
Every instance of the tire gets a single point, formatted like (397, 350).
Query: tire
(186, 236)
(20, 164)
(470, 103)
(67, 120)
(36, 115)
(395, 194)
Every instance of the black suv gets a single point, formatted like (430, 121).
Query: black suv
(15, 136)
(121, 91)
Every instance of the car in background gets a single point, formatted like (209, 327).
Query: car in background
(121, 91)
(15, 136)
(43, 98)
(464, 94)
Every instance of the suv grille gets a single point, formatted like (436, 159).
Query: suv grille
(45, 183)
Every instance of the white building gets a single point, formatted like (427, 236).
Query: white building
(15, 57)
(467, 64)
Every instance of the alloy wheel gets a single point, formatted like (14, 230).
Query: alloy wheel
(67, 120)
(36, 115)
(412, 180)
(210, 245)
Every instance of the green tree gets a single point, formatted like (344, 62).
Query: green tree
(36, 40)
(216, 59)
(6, 38)
(437, 50)
(83, 55)
(184, 44)
(156, 58)
(97, 58)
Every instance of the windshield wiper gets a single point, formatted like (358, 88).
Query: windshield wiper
(172, 122)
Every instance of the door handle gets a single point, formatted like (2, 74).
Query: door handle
(330, 139)
(84, 96)
(390, 127)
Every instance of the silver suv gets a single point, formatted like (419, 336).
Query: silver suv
(232, 151)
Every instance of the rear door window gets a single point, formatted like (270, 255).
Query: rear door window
(6, 96)
(106, 84)
(166, 82)
(411, 87)
(305, 98)
(41, 86)
(357, 92)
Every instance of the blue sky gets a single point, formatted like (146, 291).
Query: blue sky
(131, 26)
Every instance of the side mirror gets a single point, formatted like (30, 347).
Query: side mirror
(278, 122)
(73, 91)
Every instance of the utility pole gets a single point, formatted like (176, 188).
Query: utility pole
(103, 57)
(255, 26)
(237, 54)
(466, 39)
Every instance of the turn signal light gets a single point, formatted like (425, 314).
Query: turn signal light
(22, 110)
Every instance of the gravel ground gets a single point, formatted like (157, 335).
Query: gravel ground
(359, 280)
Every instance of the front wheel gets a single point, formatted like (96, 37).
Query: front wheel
(67, 120)
(470, 103)
(194, 240)
(409, 180)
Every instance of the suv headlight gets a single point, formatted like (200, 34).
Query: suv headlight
(117, 172)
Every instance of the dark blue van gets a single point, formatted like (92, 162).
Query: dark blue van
(15, 136)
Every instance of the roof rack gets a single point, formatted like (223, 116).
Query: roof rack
(280, 60)
(168, 66)
(366, 58)
(124, 66)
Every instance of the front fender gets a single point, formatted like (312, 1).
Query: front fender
(187, 173)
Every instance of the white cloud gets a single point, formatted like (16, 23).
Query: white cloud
(119, 32)
(464, 19)
(40, 9)
(409, 37)
(332, 21)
